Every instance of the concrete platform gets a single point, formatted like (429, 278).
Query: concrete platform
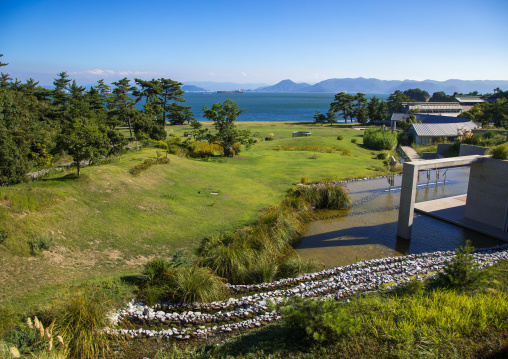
(452, 209)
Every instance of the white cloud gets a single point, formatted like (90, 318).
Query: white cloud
(107, 73)
(212, 74)
(244, 74)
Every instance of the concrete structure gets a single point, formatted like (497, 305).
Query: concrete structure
(487, 194)
(408, 187)
(434, 108)
(468, 150)
(424, 133)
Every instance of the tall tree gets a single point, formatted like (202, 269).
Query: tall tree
(417, 95)
(123, 103)
(343, 103)
(2, 63)
(179, 114)
(440, 96)
(373, 109)
(360, 108)
(171, 91)
(60, 96)
(84, 141)
(223, 116)
(320, 118)
(395, 101)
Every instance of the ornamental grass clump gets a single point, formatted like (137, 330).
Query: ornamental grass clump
(82, 322)
(328, 195)
(500, 152)
(194, 284)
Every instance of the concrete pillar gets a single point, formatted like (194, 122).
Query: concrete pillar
(407, 200)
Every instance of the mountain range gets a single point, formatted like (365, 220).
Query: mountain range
(386, 86)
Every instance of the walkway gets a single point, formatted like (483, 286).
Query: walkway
(452, 209)
(411, 153)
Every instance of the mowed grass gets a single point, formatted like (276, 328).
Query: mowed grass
(109, 223)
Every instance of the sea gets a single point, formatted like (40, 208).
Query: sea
(263, 106)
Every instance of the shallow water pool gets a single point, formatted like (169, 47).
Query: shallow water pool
(368, 229)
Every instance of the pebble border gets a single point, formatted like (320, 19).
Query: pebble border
(253, 311)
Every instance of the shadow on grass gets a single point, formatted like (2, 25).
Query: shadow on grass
(68, 177)
(273, 340)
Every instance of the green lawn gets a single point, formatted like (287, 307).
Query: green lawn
(109, 222)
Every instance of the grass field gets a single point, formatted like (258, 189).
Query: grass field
(108, 223)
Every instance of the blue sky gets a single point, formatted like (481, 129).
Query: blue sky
(255, 41)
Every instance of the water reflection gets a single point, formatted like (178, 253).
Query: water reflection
(368, 230)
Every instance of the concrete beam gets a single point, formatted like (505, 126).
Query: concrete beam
(409, 182)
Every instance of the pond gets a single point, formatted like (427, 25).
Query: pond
(368, 229)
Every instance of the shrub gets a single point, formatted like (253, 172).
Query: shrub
(340, 137)
(318, 320)
(268, 138)
(39, 244)
(462, 269)
(380, 139)
(382, 156)
(195, 284)
(81, 324)
(162, 144)
(354, 140)
(500, 152)
(204, 149)
(294, 265)
(136, 170)
(328, 195)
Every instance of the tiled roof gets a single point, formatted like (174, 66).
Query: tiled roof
(442, 129)
(428, 118)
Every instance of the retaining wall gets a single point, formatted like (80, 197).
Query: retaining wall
(468, 150)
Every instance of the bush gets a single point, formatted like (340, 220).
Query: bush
(81, 324)
(354, 140)
(340, 137)
(195, 284)
(136, 170)
(205, 149)
(462, 269)
(39, 244)
(500, 152)
(329, 195)
(380, 139)
(382, 156)
(318, 320)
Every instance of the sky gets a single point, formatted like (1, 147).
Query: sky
(256, 41)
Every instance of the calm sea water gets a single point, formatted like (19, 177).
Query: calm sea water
(267, 106)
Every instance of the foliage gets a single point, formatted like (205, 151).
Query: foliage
(417, 95)
(500, 152)
(344, 104)
(440, 96)
(354, 140)
(395, 101)
(228, 136)
(81, 323)
(39, 244)
(328, 195)
(340, 137)
(380, 139)
(203, 149)
(318, 320)
(462, 269)
(194, 284)
(382, 156)
(84, 141)
(136, 170)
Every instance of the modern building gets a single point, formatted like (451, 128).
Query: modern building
(424, 133)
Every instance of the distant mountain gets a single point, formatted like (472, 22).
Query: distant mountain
(285, 86)
(371, 85)
(224, 86)
(192, 88)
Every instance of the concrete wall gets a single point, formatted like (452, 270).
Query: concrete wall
(429, 155)
(442, 148)
(468, 150)
(487, 193)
